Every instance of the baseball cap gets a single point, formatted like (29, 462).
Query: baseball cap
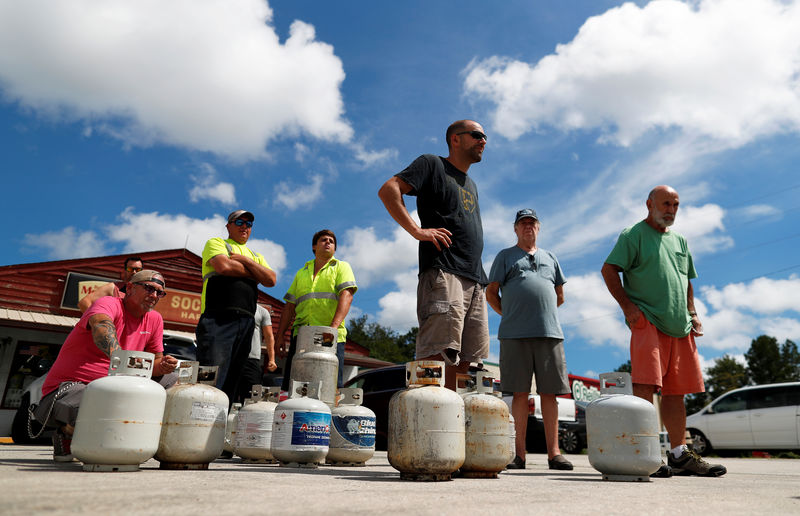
(148, 275)
(240, 214)
(526, 213)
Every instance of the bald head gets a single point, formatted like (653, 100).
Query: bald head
(662, 207)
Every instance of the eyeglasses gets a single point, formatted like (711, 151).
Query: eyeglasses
(242, 222)
(133, 269)
(475, 134)
(152, 290)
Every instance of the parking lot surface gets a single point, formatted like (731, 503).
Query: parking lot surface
(30, 483)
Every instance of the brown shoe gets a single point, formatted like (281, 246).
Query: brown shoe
(517, 463)
(690, 463)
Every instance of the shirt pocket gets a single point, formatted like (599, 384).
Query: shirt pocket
(682, 263)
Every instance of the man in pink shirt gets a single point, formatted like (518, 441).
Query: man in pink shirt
(111, 323)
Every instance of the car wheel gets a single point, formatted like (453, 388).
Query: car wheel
(570, 442)
(700, 444)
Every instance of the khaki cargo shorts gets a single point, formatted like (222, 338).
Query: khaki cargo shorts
(452, 314)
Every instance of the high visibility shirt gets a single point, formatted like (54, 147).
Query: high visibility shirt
(316, 298)
(228, 246)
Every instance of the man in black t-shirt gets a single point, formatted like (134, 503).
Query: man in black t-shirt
(451, 303)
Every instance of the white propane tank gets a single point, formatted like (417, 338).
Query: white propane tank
(352, 430)
(486, 430)
(315, 360)
(512, 437)
(301, 430)
(254, 428)
(119, 420)
(426, 425)
(230, 430)
(193, 428)
(622, 432)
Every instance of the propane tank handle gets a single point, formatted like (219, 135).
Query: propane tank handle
(126, 362)
(464, 383)
(187, 371)
(315, 337)
(351, 396)
(425, 372)
(621, 381)
(485, 382)
(207, 374)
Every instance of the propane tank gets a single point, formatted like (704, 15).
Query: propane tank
(254, 428)
(486, 430)
(230, 431)
(352, 430)
(622, 432)
(193, 428)
(315, 360)
(119, 420)
(512, 437)
(426, 425)
(301, 430)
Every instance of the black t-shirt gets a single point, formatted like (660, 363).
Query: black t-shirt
(447, 198)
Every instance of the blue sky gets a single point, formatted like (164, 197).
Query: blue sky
(134, 126)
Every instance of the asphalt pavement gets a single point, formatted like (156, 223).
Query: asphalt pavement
(31, 483)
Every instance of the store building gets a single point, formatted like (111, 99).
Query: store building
(38, 309)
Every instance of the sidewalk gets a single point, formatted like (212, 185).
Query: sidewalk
(30, 483)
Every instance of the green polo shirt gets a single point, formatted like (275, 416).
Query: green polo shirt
(316, 298)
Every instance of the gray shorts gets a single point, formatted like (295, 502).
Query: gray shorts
(452, 314)
(64, 408)
(520, 359)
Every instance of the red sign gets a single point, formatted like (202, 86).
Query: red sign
(180, 307)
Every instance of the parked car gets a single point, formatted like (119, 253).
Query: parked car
(760, 417)
(379, 386)
(572, 434)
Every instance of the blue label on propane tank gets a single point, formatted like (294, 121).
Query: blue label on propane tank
(311, 429)
(358, 430)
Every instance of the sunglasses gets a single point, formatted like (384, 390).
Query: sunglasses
(475, 134)
(242, 222)
(133, 269)
(152, 290)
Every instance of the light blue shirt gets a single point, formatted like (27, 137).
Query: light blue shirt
(528, 294)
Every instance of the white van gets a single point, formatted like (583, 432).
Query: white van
(761, 417)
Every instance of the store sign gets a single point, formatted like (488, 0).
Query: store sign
(582, 392)
(79, 285)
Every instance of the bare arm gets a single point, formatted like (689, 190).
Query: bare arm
(104, 333)
(241, 266)
(697, 326)
(559, 295)
(345, 300)
(287, 318)
(268, 345)
(614, 284)
(164, 364)
(91, 297)
(493, 297)
(391, 193)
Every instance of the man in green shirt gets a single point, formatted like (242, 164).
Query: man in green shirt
(320, 295)
(656, 296)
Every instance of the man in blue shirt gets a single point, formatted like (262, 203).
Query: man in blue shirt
(531, 340)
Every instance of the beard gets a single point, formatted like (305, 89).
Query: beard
(663, 222)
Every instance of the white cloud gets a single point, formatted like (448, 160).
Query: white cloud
(373, 257)
(591, 312)
(208, 76)
(760, 296)
(757, 211)
(293, 196)
(68, 243)
(721, 69)
(207, 187)
(399, 308)
(700, 224)
(370, 158)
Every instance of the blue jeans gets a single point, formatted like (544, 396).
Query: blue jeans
(224, 340)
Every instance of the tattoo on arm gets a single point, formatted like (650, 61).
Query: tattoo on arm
(104, 335)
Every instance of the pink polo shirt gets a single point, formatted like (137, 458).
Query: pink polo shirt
(79, 358)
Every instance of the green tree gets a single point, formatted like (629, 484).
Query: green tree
(383, 343)
(767, 362)
(624, 368)
(726, 374)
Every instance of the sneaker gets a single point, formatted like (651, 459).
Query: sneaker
(62, 447)
(690, 463)
(559, 462)
(517, 463)
(663, 471)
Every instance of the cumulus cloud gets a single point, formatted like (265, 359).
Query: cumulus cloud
(140, 232)
(370, 158)
(206, 186)
(67, 243)
(372, 256)
(761, 296)
(207, 76)
(634, 69)
(293, 196)
(399, 307)
(758, 211)
(590, 312)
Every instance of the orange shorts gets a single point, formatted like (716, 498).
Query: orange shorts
(658, 359)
